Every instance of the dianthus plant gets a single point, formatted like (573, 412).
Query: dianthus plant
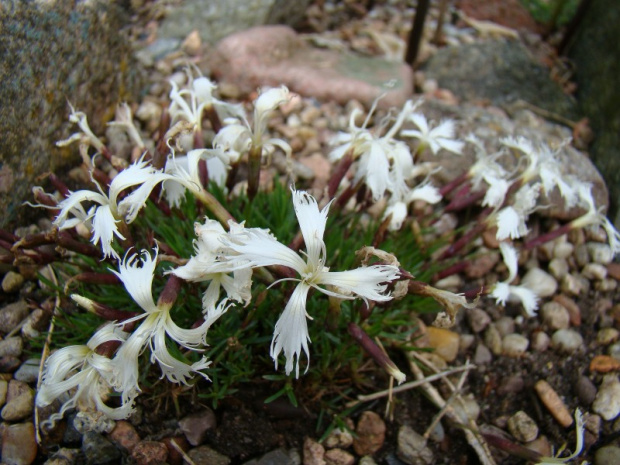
(210, 275)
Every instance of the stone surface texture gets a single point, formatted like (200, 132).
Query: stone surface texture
(215, 19)
(54, 52)
(594, 49)
(275, 55)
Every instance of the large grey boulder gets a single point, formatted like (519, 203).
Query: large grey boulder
(51, 53)
(595, 51)
(498, 71)
(215, 19)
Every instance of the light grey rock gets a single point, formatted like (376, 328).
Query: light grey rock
(558, 267)
(572, 285)
(478, 319)
(607, 455)
(216, 19)
(594, 271)
(196, 426)
(275, 457)
(555, 315)
(96, 422)
(541, 282)
(522, 427)
(600, 253)
(12, 282)
(54, 51)
(483, 355)
(12, 314)
(505, 325)
(585, 390)
(607, 400)
(514, 345)
(582, 255)
(11, 346)
(412, 448)
(493, 339)
(563, 249)
(540, 341)
(29, 371)
(567, 341)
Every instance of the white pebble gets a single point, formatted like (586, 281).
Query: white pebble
(607, 401)
(514, 345)
(594, 271)
(541, 282)
(566, 341)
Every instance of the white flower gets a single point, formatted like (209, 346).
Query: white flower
(203, 266)
(486, 164)
(86, 135)
(384, 163)
(437, 138)
(496, 192)
(103, 217)
(502, 291)
(156, 327)
(125, 121)
(82, 369)
(189, 104)
(184, 172)
(261, 249)
(595, 217)
(511, 220)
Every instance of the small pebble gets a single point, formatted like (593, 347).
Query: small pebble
(573, 309)
(553, 403)
(314, 453)
(149, 453)
(522, 427)
(338, 457)
(563, 250)
(98, 449)
(585, 390)
(12, 346)
(607, 455)
(511, 385)
(505, 325)
(541, 445)
(606, 285)
(466, 341)
(558, 267)
(124, 435)
(478, 319)
(540, 341)
(370, 434)
(444, 341)
(483, 355)
(12, 282)
(86, 421)
(607, 401)
(594, 271)
(607, 336)
(493, 340)
(555, 316)
(19, 406)
(29, 371)
(4, 387)
(567, 341)
(340, 437)
(600, 253)
(572, 285)
(12, 314)
(196, 426)
(582, 256)
(514, 345)
(19, 445)
(541, 282)
(412, 448)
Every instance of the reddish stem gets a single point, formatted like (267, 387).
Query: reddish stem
(456, 182)
(551, 235)
(339, 173)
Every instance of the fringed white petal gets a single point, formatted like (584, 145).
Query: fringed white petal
(312, 224)
(104, 230)
(138, 280)
(508, 222)
(511, 259)
(368, 282)
(291, 332)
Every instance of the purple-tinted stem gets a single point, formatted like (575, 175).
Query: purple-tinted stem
(171, 291)
(456, 182)
(59, 185)
(364, 340)
(465, 239)
(551, 235)
(339, 173)
(65, 240)
(91, 277)
(451, 270)
(463, 201)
